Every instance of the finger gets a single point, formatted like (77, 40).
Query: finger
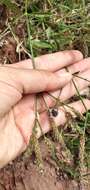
(61, 118)
(81, 66)
(29, 102)
(69, 90)
(33, 81)
(51, 98)
(16, 82)
(52, 62)
(81, 84)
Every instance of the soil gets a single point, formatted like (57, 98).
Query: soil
(23, 174)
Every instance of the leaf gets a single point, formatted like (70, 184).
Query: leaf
(41, 44)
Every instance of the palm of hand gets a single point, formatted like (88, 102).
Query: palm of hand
(16, 125)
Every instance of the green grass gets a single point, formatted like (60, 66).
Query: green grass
(58, 26)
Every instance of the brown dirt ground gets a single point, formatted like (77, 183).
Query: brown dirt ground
(23, 174)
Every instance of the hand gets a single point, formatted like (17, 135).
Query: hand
(18, 84)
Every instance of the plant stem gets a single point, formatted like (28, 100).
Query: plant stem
(62, 104)
(79, 94)
(81, 77)
(77, 90)
(30, 42)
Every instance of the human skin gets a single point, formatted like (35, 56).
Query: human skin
(18, 85)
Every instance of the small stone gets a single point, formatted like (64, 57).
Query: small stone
(53, 112)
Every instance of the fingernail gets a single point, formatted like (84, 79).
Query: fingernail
(79, 55)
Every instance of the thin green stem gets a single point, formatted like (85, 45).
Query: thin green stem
(62, 104)
(86, 174)
(83, 4)
(81, 77)
(47, 108)
(36, 122)
(29, 33)
(79, 94)
(57, 101)
(30, 42)
(82, 141)
(32, 54)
